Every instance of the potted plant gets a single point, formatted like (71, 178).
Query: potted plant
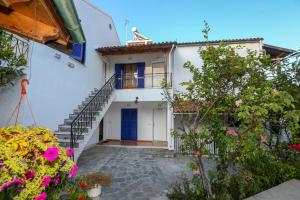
(93, 182)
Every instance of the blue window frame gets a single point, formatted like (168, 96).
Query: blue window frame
(78, 52)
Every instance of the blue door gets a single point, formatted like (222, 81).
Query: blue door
(129, 124)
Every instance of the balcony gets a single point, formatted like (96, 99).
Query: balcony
(146, 88)
(148, 81)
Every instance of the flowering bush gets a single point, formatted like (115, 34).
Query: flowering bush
(32, 164)
(254, 126)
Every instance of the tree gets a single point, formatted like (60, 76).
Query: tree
(246, 118)
(11, 64)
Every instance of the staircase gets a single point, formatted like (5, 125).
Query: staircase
(78, 129)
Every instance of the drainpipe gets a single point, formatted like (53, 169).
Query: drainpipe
(170, 110)
(67, 11)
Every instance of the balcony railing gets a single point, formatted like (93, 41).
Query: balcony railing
(147, 81)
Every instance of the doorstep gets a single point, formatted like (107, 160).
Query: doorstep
(135, 144)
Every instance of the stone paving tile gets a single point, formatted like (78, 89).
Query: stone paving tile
(136, 173)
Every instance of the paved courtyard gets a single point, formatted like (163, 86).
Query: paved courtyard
(137, 173)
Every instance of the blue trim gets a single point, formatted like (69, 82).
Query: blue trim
(129, 124)
(141, 75)
(118, 72)
(78, 52)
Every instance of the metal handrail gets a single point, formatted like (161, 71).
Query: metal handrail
(84, 119)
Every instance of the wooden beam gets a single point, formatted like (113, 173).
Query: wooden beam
(36, 19)
(8, 3)
(28, 27)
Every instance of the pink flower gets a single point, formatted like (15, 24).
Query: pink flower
(263, 138)
(29, 174)
(16, 181)
(6, 185)
(51, 153)
(73, 171)
(41, 196)
(10, 183)
(56, 180)
(70, 152)
(46, 180)
(231, 132)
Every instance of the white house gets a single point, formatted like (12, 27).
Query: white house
(115, 95)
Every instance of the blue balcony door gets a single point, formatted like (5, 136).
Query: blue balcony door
(129, 124)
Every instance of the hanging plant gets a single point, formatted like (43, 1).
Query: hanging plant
(32, 164)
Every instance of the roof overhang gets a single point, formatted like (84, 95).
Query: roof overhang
(136, 49)
(277, 52)
(42, 20)
(38, 20)
(217, 42)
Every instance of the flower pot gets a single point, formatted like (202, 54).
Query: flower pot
(95, 192)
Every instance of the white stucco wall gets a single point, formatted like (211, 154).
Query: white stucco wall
(185, 53)
(112, 121)
(94, 139)
(55, 89)
(143, 94)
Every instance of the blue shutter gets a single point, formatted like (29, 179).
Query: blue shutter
(118, 71)
(141, 75)
(78, 52)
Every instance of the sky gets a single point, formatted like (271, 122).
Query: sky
(277, 21)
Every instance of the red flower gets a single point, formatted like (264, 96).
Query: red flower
(82, 185)
(295, 146)
(29, 174)
(197, 154)
(231, 132)
(81, 198)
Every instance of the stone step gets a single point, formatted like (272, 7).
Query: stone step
(94, 113)
(66, 136)
(72, 117)
(67, 128)
(69, 121)
(80, 107)
(67, 144)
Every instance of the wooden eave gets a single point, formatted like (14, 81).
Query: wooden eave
(138, 49)
(277, 52)
(34, 19)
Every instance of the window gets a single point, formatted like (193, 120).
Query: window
(78, 52)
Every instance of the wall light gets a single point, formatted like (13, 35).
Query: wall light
(57, 56)
(136, 100)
